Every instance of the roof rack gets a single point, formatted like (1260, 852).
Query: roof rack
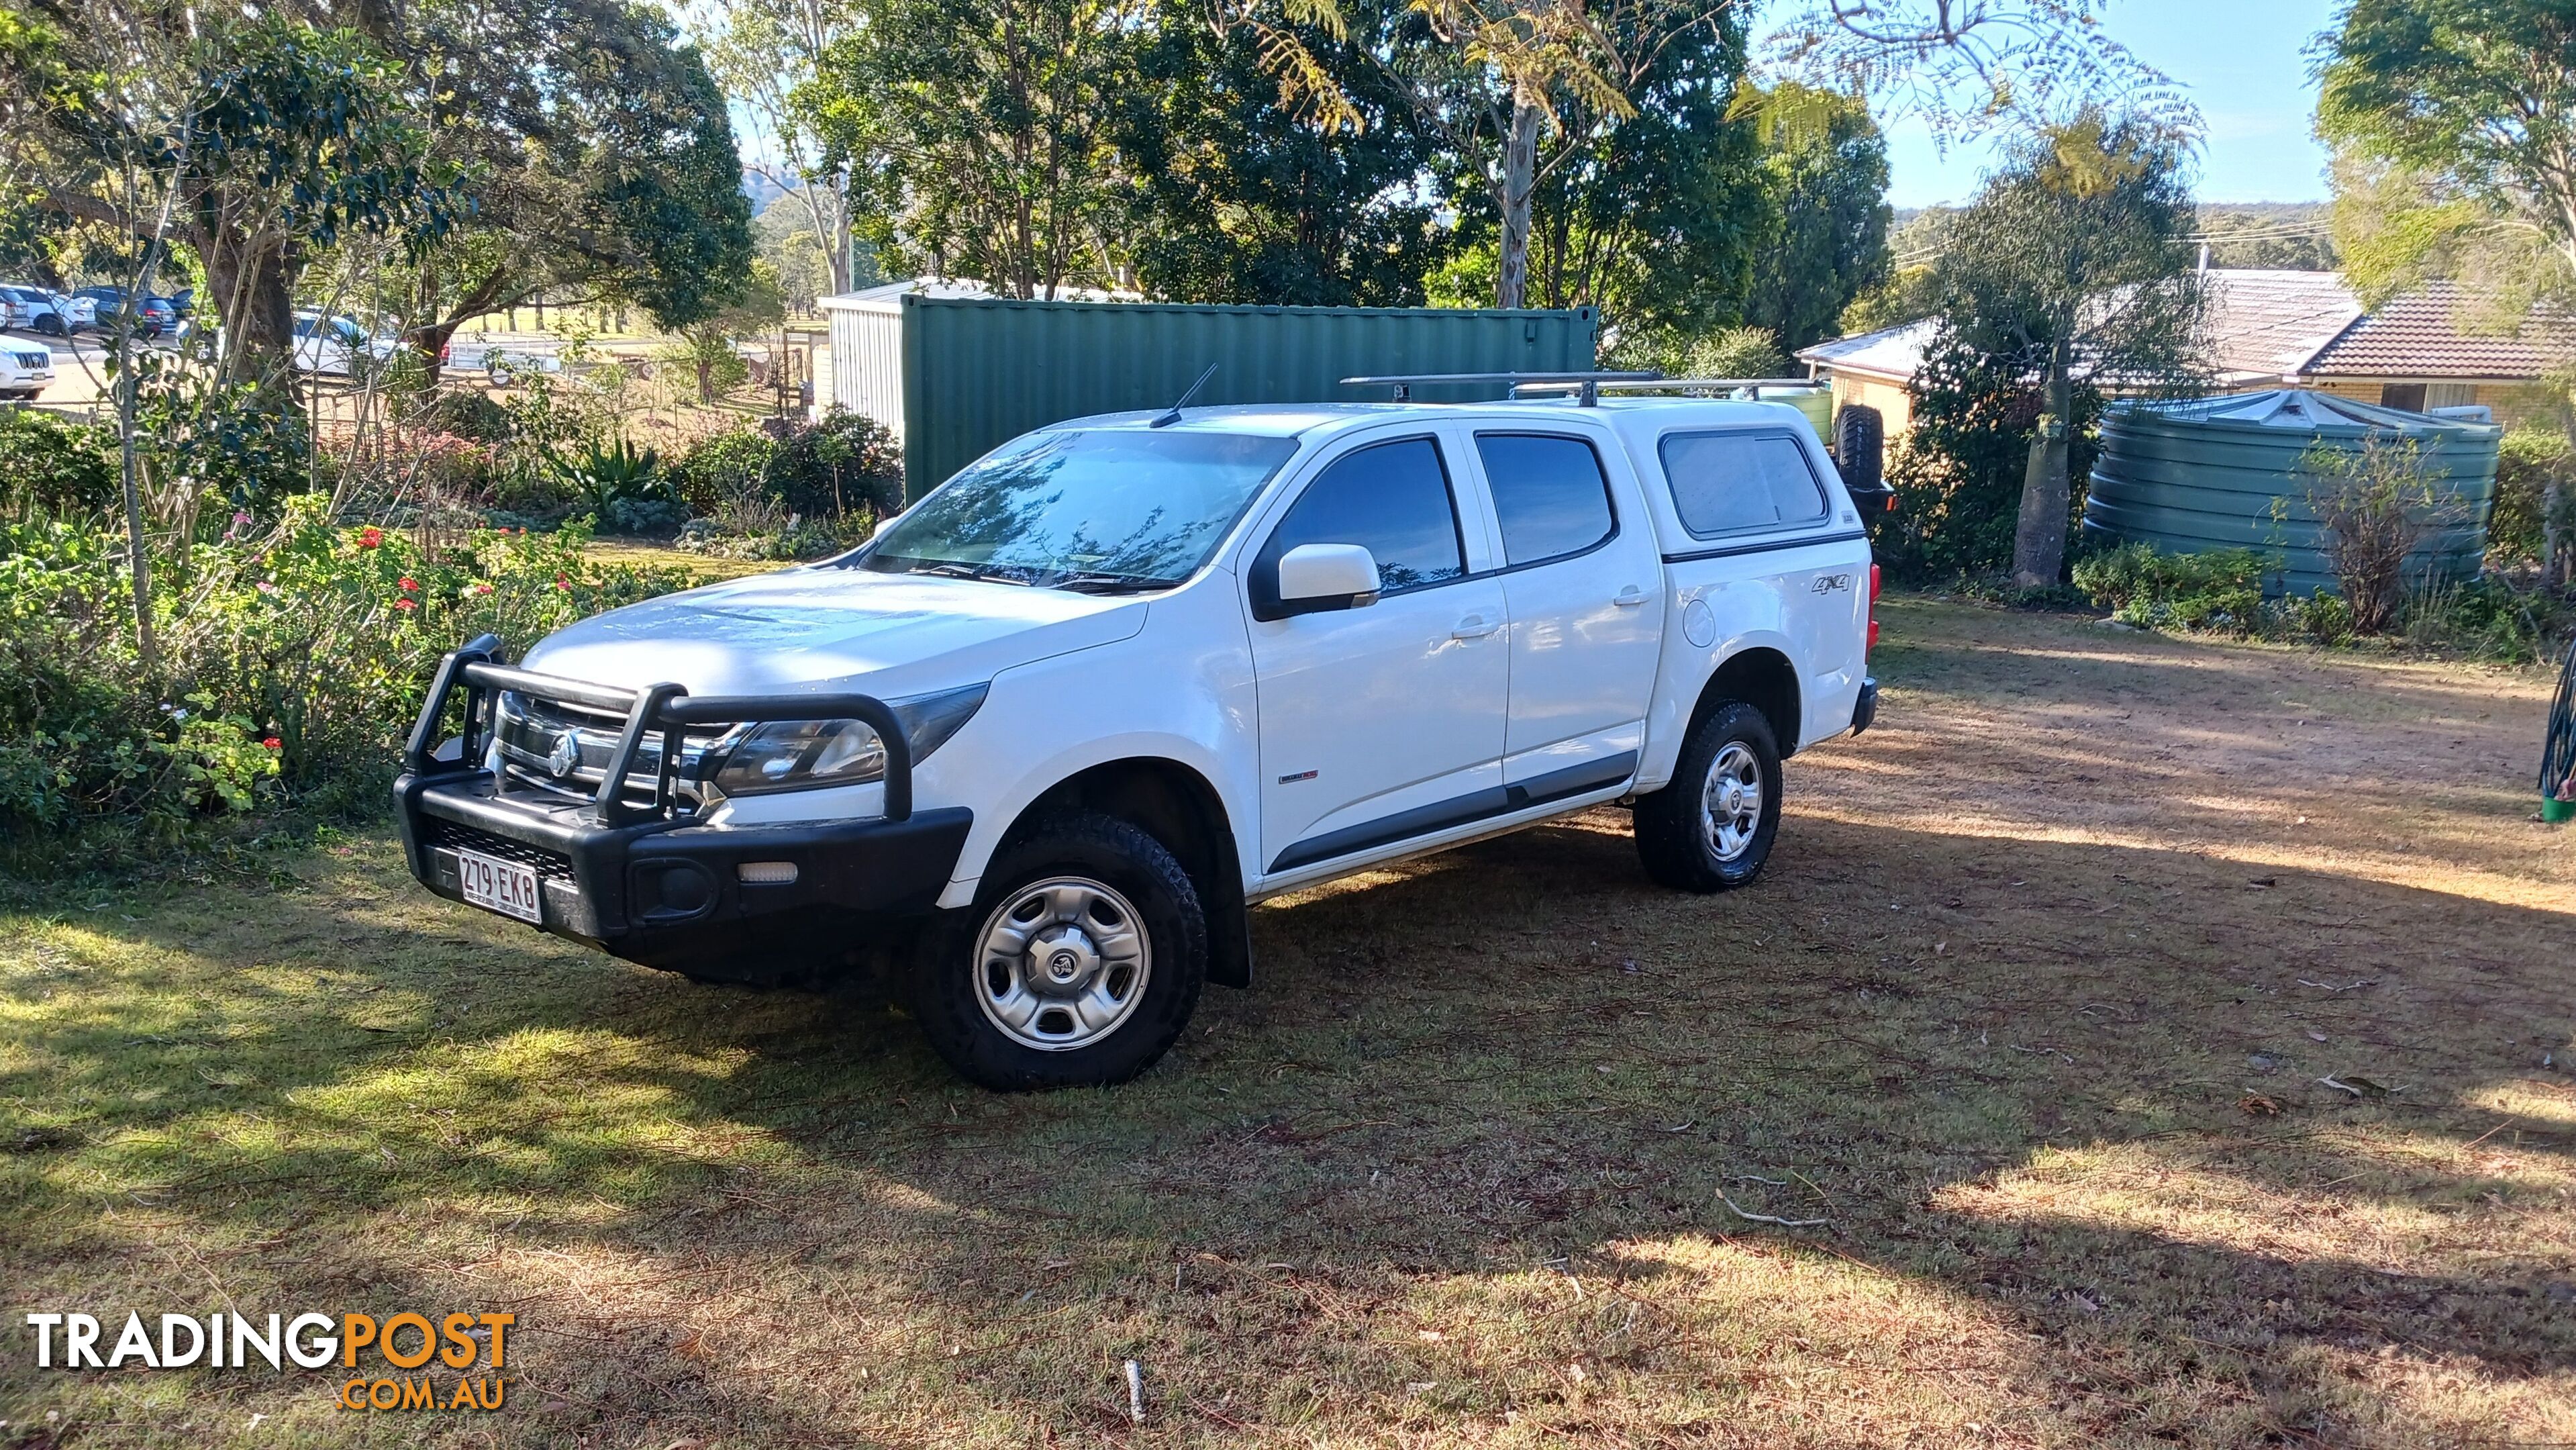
(1587, 385)
(1660, 384)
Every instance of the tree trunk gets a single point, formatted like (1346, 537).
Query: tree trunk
(1520, 180)
(2039, 540)
(246, 281)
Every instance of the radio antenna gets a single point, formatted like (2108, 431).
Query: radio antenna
(1174, 416)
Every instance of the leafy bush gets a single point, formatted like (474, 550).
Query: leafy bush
(2529, 461)
(805, 539)
(724, 467)
(2373, 508)
(2493, 617)
(650, 517)
(840, 465)
(213, 441)
(1726, 352)
(53, 467)
(305, 650)
(756, 486)
(467, 413)
(82, 734)
(2140, 584)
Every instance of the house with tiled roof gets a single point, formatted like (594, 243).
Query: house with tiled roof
(2266, 328)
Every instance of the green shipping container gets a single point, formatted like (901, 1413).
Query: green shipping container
(977, 372)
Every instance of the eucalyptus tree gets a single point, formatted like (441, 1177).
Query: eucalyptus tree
(2457, 125)
(979, 134)
(761, 52)
(2072, 266)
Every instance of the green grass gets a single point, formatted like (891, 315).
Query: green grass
(2023, 1011)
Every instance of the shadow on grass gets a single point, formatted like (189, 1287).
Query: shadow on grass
(2059, 1106)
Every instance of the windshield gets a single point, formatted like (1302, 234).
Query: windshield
(1103, 509)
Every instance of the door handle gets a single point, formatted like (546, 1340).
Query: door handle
(1475, 626)
(1629, 598)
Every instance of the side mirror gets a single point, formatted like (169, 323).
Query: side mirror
(1314, 578)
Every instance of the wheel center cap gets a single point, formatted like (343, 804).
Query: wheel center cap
(1064, 955)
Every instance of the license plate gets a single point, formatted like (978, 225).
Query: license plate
(503, 886)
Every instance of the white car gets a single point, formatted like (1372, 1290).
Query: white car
(1058, 724)
(25, 368)
(338, 346)
(38, 309)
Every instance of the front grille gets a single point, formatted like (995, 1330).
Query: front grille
(530, 730)
(552, 865)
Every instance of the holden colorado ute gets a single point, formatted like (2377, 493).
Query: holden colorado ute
(1057, 725)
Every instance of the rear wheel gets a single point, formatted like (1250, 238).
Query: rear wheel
(1712, 828)
(1078, 965)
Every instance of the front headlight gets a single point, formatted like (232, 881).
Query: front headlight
(811, 754)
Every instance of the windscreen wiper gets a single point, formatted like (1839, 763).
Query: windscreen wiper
(1100, 583)
(948, 569)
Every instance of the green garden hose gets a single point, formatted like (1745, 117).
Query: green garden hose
(2558, 748)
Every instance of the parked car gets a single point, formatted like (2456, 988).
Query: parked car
(25, 368)
(338, 346)
(1059, 723)
(152, 316)
(38, 310)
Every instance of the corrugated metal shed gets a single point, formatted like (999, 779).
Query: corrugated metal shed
(976, 372)
(2234, 473)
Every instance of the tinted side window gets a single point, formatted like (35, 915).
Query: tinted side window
(1393, 499)
(1727, 482)
(1550, 495)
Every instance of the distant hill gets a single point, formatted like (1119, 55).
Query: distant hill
(760, 189)
(2293, 236)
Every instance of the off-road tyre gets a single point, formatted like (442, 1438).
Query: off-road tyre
(1675, 837)
(953, 977)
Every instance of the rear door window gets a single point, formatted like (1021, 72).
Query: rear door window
(1729, 483)
(1550, 495)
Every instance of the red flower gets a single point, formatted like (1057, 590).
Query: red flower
(405, 605)
(482, 588)
(563, 583)
(274, 743)
(409, 584)
(370, 537)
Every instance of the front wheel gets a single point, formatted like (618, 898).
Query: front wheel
(1712, 828)
(1078, 965)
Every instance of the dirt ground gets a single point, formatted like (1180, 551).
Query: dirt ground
(2155, 1042)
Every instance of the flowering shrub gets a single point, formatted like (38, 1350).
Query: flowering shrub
(305, 649)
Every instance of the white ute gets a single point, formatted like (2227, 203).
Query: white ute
(1059, 723)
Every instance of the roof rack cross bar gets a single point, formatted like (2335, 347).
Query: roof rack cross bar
(1587, 384)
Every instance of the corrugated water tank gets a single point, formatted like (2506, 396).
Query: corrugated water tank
(2236, 473)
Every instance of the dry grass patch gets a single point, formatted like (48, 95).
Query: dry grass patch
(2033, 1011)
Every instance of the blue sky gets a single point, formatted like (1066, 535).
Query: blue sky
(2242, 61)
